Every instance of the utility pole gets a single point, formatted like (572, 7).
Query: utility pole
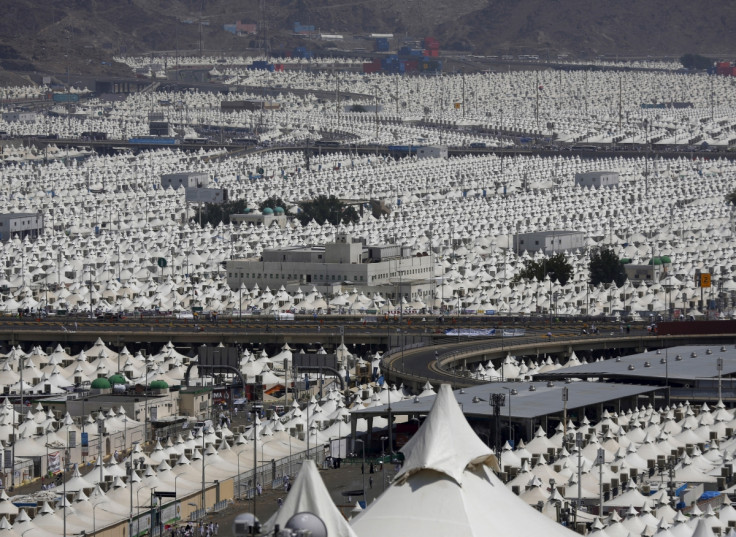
(536, 109)
(620, 113)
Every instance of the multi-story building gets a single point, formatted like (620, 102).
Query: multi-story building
(20, 224)
(549, 242)
(347, 262)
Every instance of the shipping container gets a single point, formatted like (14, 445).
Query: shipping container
(382, 44)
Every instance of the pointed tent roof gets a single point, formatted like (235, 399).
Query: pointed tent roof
(470, 501)
(309, 494)
(445, 442)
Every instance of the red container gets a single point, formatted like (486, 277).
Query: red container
(433, 53)
(278, 67)
(733, 71)
(371, 68)
(723, 64)
(411, 66)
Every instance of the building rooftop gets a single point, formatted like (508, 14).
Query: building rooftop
(541, 401)
(684, 363)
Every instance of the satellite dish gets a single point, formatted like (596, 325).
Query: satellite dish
(307, 522)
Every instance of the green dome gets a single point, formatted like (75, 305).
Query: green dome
(268, 210)
(625, 261)
(666, 259)
(278, 210)
(117, 379)
(159, 385)
(655, 261)
(100, 384)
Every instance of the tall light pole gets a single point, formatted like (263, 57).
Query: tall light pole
(550, 274)
(362, 443)
(175, 478)
(496, 400)
(383, 461)
(94, 518)
(579, 445)
(565, 395)
(239, 454)
(512, 391)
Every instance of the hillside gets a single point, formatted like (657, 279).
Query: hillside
(86, 33)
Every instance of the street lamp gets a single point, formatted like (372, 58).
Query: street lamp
(550, 274)
(496, 400)
(383, 461)
(239, 454)
(362, 443)
(512, 391)
(94, 518)
(175, 478)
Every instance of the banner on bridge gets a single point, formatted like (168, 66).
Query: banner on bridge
(475, 332)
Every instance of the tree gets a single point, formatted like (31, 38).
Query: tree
(213, 213)
(605, 267)
(272, 202)
(327, 209)
(731, 198)
(557, 265)
(696, 61)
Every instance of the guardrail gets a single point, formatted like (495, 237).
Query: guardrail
(501, 343)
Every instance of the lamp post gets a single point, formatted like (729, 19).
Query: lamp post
(263, 444)
(565, 395)
(512, 391)
(175, 478)
(579, 445)
(383, 461)
(100, 431)
(239, 454)
(129, 471)
(138, 501)
(496, 400)
(94, 518)
(362, 443)
(550, 274)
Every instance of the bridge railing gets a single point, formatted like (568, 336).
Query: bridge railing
(499, 342)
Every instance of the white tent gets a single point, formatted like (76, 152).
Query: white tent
(447, 487)
(308, 494)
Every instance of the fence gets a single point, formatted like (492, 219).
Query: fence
(272, 473)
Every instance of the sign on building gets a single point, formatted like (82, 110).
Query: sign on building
(218, 356)
(315, 361)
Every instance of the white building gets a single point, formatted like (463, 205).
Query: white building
(185, 179)
(596, 179)
(19, 116)
(20, 224)
(347, 262)
(549, 242)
